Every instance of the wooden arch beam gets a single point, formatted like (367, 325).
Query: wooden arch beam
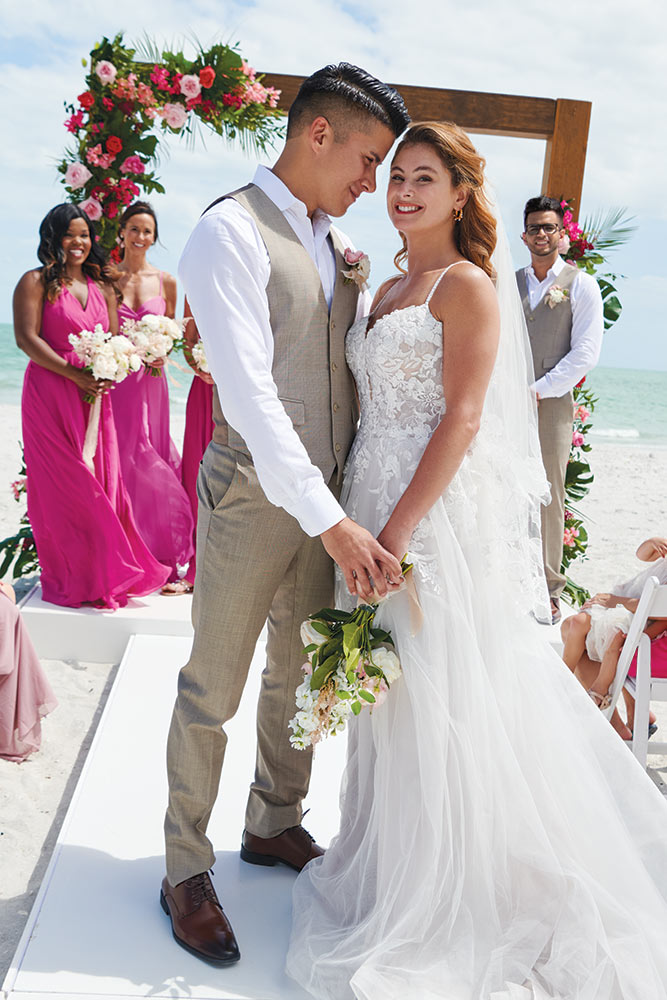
(562, 123)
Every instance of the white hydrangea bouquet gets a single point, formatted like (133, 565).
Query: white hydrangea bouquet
(109, 357)
(154, 338)
(350, 666)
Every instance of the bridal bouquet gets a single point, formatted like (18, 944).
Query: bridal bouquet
(154, 337)
(109, 357)
(350, 666)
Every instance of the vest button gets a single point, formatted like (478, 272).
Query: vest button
(333, 325)
(334, 366)
(335, 407)
(337, 447)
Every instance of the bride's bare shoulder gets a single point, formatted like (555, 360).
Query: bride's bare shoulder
(383, 289)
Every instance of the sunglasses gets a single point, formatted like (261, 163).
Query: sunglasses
(549, 228)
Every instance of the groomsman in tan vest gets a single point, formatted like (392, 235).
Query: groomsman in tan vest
(563, 308)
(263, 272)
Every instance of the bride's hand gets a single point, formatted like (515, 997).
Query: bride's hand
(395, 539)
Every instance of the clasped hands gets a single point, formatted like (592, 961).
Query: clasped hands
(371, 571)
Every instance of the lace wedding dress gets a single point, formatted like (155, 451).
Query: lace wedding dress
(498, 841)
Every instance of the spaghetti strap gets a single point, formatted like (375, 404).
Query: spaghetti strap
(440, 277)
(160, 292)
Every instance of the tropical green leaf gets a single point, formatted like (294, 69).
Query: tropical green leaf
(356, 707)
(367, 696)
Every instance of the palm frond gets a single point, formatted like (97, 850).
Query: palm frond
(609, 229)
(147, 49)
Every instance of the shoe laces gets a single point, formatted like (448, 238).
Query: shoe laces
(202, 889)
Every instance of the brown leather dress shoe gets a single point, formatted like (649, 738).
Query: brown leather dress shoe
(294, 847)
(197, 920)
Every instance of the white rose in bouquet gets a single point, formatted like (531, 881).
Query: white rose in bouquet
(388, 663)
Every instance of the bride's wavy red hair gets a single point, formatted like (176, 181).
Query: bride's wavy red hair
(475, 234)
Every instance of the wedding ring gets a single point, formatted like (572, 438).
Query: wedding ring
(354, 574)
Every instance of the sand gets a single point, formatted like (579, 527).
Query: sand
(628, 502)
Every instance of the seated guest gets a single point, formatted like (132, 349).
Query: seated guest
(88, 546)
(563, 308)
(594, 637)
(150, 463)
(25, 693)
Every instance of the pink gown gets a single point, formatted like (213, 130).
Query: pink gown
(149, 460)
(25, 693)
(198, 433)
(89, 548)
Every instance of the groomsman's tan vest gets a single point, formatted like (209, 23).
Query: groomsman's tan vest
(549, 329)
(309, 368)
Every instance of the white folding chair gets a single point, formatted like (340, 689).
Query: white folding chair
(652, 604)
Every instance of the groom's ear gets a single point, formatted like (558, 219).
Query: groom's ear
(320, 133)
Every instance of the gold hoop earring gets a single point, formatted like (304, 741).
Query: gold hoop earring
(458, 214)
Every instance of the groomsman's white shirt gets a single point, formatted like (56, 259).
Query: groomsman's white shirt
(225, 269)
(587, 328)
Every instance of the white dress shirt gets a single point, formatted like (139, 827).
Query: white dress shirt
(587, 328)
(225, 269)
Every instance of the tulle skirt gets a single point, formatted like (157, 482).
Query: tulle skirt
(497, 838)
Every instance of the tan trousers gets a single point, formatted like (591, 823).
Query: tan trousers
(253, 562)
(555, 420)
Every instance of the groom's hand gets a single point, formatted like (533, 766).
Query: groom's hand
(364, 562)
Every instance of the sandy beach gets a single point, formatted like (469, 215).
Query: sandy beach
(627, 503)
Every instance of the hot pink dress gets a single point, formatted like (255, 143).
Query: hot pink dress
(198, 433)
(89, 549)
(149, 460)
(25, 693)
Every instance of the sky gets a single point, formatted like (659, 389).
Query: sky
(610, 53)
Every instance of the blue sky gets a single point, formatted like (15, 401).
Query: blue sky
(596, 51)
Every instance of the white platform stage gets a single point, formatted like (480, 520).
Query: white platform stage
(96, 929)
(94, 635)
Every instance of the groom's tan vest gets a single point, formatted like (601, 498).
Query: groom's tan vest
(309, 369)
(550, 330)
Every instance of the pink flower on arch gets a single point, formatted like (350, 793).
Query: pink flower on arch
(75, 122)
(92, 208)
(569, 536)
(160, 77)
(190, 86)
(132, 165)
(578, 439)
(106, 71)
(174, 115)
(581, 413)
(76, 175)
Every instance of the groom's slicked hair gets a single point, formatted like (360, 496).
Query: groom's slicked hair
(346, 96)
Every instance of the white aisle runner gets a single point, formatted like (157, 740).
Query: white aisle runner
(97, 930)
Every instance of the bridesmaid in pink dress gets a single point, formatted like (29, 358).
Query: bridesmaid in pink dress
(89, 549)
(25, 693)
(150, 463)
(198, 432)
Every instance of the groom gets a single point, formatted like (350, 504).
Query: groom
(263, 273)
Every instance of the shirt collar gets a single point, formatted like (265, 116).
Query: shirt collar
(285, 201)
(553, 271)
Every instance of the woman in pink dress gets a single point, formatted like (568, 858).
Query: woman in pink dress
(198, 433)
(150, 463)
(25, 693)
(89, 549)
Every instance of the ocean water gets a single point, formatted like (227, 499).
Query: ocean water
(631, 408)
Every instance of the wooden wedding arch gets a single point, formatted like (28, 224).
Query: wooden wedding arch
(562, 123)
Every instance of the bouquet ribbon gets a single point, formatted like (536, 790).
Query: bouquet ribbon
(92, 434)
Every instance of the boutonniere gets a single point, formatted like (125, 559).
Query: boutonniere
(556, 295)
(359, 269)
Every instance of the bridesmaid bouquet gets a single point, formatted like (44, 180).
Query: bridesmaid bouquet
(199, 357)
(109, 357)
(154, 337)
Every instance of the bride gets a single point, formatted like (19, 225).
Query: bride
(497, 841)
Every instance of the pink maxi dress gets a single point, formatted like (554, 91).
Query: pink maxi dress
(25, 693)
(150, 463)
(89, 548)
(198, 433)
